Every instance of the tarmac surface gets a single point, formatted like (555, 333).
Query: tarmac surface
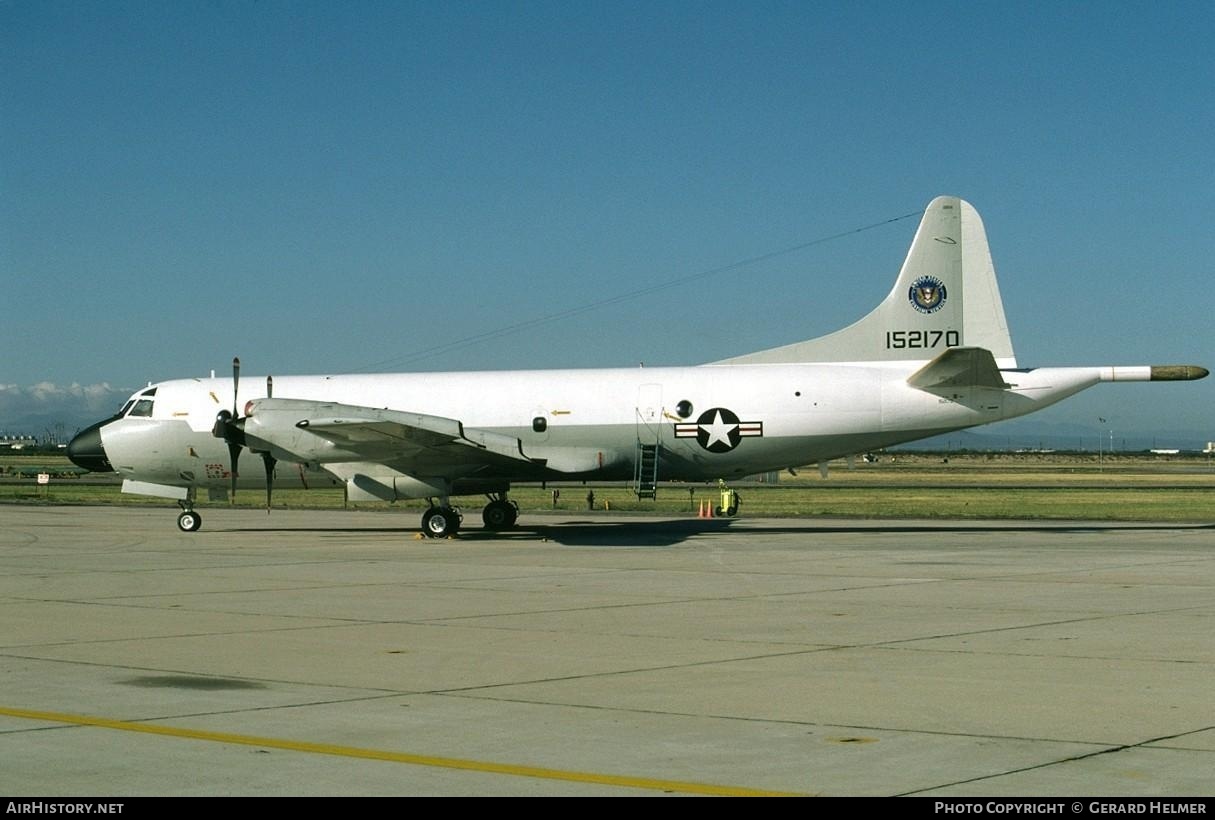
(322, 653)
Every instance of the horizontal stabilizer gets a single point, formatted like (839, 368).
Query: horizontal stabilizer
(959, 367)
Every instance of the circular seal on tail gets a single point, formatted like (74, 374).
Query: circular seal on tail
(927, 294)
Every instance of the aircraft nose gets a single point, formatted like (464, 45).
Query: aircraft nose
(85, 449)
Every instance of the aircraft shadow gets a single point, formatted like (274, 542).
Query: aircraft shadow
(657, 533)
(669, 532)
(607, 533)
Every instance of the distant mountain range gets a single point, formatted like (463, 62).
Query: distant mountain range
(48, 410)
(1030, 435)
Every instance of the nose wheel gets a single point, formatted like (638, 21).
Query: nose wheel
(189, 521)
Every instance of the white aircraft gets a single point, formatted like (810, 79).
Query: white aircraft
(935, 356)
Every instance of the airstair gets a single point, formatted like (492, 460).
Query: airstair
(645, 475)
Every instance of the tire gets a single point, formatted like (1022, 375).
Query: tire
(440, 522)
(499, 515)
(189, 521)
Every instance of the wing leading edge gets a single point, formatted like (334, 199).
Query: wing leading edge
(328, 432)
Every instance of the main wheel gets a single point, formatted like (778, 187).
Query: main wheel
(499, 514)
(440, 522)
(189, 521)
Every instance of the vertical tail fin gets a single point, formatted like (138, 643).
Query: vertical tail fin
(946, 296)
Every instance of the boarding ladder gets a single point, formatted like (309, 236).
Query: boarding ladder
(645, 475)
(649, 440)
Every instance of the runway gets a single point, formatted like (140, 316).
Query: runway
(321, 653)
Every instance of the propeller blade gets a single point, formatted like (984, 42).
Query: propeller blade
(233, 446)
(235, 384)
(234, 454)
(269, 461)
(231, 428)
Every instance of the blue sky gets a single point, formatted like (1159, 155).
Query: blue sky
(325, 187)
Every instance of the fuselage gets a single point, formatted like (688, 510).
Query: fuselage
(709, 422)
(934, 356)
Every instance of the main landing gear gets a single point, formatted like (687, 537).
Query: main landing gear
(500, 513)
(443, 520)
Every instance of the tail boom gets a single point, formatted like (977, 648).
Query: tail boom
(1154, 373)
(1177, 373)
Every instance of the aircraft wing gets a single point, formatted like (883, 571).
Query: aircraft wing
(372, 434)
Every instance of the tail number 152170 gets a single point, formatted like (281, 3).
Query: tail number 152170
(922, 339)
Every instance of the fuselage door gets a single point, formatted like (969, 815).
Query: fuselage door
(649, 413)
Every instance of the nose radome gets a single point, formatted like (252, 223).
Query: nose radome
(85, 449)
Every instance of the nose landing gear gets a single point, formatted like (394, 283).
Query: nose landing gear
(189, 520)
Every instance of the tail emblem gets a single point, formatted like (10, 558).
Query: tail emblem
(927, 294)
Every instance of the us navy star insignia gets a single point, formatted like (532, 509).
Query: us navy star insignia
(719, 430)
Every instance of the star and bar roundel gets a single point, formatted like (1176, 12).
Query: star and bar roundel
(718, 430)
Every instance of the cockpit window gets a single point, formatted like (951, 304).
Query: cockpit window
(143, 407)
(139, 405)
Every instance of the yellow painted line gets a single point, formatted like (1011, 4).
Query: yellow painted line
(622, 781)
